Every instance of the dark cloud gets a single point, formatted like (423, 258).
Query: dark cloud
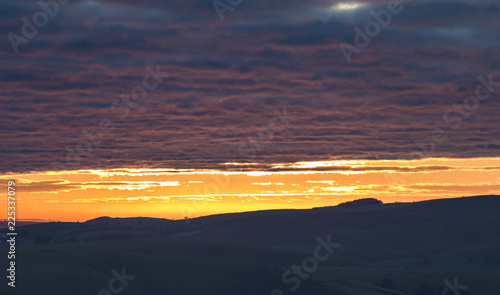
(226, 77)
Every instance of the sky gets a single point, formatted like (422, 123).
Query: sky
(81, 195)
(283, 96)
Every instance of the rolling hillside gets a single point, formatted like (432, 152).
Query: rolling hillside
(416, 247)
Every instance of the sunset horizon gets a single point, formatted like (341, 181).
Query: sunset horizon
(80, 195)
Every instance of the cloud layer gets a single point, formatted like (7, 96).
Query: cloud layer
(227, 79)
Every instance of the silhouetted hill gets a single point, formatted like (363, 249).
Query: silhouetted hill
(360, 203)
(105, 220)
(412, 244)
(21, 222)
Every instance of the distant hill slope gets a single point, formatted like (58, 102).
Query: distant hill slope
(413, 244)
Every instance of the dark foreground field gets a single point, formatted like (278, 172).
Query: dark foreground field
(429, 248)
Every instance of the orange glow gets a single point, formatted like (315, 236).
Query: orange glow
(172, 193)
